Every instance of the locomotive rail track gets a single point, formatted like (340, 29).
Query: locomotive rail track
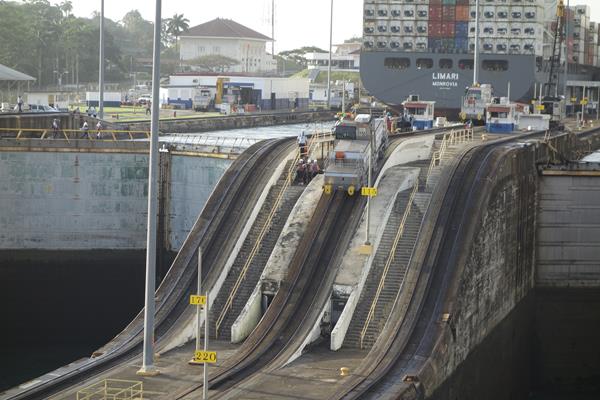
(216, 231)
(301, 295)
(222, 219)
(413, 327)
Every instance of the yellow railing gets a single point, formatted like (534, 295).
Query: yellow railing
(451, 138)
(112, 389)
(73, 134)
(313, 140)
(389, 261)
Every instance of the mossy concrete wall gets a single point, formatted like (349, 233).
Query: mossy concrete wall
(98, 200)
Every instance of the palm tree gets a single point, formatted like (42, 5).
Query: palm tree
(177, 25)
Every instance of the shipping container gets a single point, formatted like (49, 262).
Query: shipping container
(449, 2)
(435, 12)
(462, 29)
(448, 29)
(448, 13)
(435, 28)
(461, 43)
(462, 13)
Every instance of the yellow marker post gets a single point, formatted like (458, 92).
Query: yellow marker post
(327, 189)
(368, 191)
(196, 300)
(205, 357)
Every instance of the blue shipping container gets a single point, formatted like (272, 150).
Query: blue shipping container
(462, 29)
(461, 43)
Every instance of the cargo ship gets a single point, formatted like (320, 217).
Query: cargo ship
(427, 47)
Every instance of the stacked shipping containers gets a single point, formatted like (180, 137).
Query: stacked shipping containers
(448, 26)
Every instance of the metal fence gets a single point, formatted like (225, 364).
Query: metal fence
(112, 389)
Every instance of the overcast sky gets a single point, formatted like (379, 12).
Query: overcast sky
(297, 23)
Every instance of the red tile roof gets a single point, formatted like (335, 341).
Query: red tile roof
(226, 28)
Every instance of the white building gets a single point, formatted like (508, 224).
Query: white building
(267, 93)
(228, 38)
(346, 57)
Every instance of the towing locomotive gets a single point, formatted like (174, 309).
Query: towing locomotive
(355, 141)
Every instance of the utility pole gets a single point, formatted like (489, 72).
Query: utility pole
(476, 54)
(148, 368)
(329, 66)
(101, 67)
(566, 48)
(273, 28)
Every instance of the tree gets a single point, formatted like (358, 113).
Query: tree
(213, 63)
(176, 25)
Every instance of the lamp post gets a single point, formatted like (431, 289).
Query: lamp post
(329, 65)
(148, 368)
(101, 66)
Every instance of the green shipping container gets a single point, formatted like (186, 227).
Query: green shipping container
(449, 2)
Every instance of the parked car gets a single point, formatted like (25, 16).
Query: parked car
(6, 107)
(41, 108)
(143, 100)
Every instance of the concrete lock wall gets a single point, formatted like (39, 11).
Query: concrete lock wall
(82, 201)
(569, 232)
(494, 276)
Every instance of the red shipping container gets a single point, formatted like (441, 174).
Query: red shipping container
(448, 30)
(448, 13)
(435, 13)
(462, 13)
(435, 28)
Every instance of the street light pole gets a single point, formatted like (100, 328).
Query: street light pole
(476, 50)
(329, 66)
(148, 368)
(101, 67)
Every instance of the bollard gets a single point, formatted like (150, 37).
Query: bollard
(175, 114)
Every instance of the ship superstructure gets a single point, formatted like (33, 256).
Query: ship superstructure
(426, 47)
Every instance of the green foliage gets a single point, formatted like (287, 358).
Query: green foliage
(297, 55)
(40, 38)
(213, 63)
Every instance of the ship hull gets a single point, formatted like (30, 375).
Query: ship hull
(444, 86)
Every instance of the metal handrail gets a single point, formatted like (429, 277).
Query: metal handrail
(389, 261)
(452, 138)
(266, 226)
(74, 134)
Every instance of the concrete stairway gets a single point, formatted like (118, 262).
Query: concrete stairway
(395, 274)
(449, 154)
(259, 261)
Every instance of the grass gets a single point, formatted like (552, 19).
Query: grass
(131, 113)
(335, 76)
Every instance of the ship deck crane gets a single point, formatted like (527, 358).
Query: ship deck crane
(551, 103)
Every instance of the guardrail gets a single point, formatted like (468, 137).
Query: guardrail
(389, 261)
(313, 140)
(112, 389)
(72, 134)
(451, 138)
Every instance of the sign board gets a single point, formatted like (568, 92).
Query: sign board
(197, 300)
(367, 191)
(205, 357)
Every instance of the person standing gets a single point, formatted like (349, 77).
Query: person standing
(99, 128)
(315, 168)
(55, 128)
(302, 143)
(84, 130)
(20, 103)
(148, 108)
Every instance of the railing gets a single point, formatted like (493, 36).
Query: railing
(112, 389)
(313, 140)
(72, 134)
(451, 138)
(389, 261)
